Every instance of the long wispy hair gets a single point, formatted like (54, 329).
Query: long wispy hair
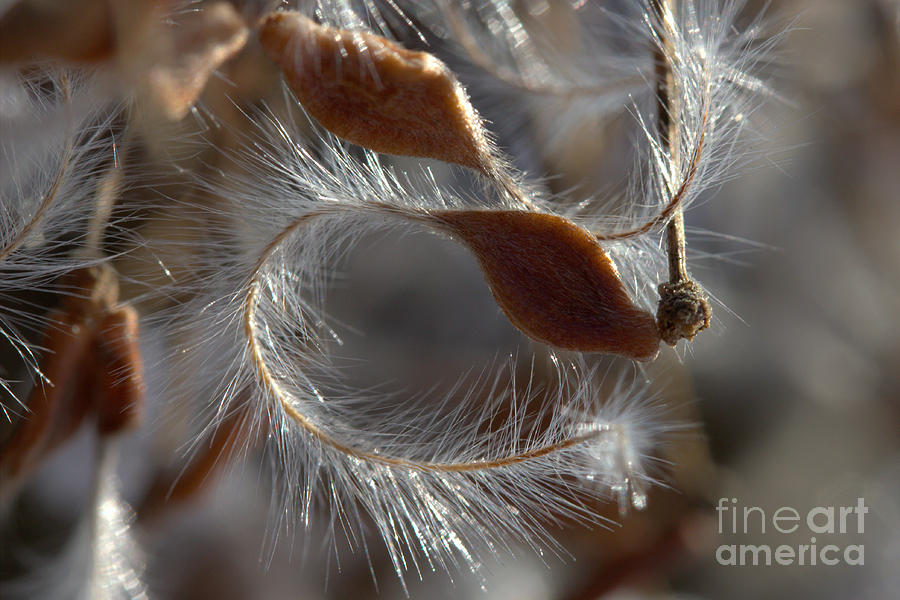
(453, 476)
(57, 144)
(436, 478)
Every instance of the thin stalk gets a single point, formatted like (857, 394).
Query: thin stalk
(683, 309)
(668, 128)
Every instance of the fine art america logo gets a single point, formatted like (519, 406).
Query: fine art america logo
(836, 523)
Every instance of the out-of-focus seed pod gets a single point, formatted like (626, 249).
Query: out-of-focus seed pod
(120, 399)
(75, 31)
(202, 41)
(683, 311)
(554, 281)
(54, 408)
(372, 92)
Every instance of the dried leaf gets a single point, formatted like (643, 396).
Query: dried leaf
(375, 93)
(554, 281)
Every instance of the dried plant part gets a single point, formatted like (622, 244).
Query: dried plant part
(53, 409)
(459, 466)
(114, 359)
(375, 93)
(92, 290)
(199, 45)
(91, 362)
(442, 479)
(167, 65)
(81, 31)
(554, 281)
(121, 387)
(683, 309)
(471, 466)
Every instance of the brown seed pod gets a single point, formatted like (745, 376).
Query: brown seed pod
(55, 408)
(554, 281)
(372, 92)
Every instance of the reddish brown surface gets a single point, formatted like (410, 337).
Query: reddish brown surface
(555, 282)
(55, 409)
(375, 93)
(93, 361)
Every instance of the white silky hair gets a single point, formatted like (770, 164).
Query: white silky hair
(355, 15)
(446, 482)
(716, 92)
(56, 144)
(101, 560)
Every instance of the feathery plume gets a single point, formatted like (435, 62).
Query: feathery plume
(56, 145)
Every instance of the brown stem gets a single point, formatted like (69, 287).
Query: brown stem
(683, 309)
(107, 193)
(675, 249)
(666, 98)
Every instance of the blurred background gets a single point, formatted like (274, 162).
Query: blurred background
(795, 390)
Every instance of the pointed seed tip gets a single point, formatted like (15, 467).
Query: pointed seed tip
(554, 282)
